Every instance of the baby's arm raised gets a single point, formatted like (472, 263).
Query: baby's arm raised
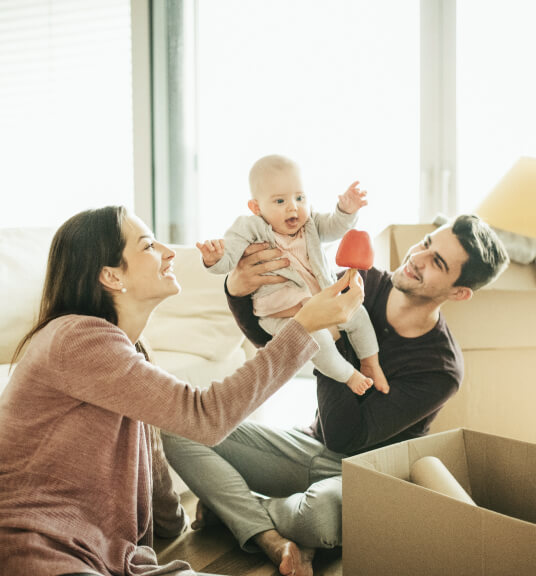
(353, 199)
(211, 251)
(221, 256)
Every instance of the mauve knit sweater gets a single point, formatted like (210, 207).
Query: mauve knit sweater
(76, 465)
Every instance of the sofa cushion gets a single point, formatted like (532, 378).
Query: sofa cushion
(23, 259)
(196, 321)
(196, 370)
(4, 376)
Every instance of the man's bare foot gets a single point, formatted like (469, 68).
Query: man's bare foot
(286, 554)
(204, 517)
(359, 383)
(371, 367)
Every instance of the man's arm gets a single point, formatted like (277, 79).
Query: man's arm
(244, 279)
(242, 310)
(350, 424)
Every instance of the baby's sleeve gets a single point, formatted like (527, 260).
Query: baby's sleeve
(245, 230)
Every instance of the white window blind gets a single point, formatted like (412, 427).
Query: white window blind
(496, 83)
(65, 108)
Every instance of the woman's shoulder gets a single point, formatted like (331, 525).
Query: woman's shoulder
(376, 279)
(75, 341)
(74, 322)
(68, 329)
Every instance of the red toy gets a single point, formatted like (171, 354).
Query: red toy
(355, 250)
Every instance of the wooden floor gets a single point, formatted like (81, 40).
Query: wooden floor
(215, 551)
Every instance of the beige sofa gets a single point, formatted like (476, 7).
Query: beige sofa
(192, 335)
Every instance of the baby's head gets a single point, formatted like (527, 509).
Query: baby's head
(277, 194)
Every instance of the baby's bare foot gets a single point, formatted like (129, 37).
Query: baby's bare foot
(359, 383)
(371, 367)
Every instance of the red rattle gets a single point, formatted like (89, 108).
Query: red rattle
(355, 250)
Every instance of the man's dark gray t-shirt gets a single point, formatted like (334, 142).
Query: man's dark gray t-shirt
(423, 373)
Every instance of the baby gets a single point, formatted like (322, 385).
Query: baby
(282, 217)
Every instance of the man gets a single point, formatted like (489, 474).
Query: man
(299, 470)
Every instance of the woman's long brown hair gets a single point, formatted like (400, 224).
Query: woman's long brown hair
(81, 247)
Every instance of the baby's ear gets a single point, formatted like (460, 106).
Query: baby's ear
(253, 205)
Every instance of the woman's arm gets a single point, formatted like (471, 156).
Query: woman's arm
(95, 362)
(99, 365)
(351, 424)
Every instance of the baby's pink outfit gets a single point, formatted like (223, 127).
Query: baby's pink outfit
(295, 249)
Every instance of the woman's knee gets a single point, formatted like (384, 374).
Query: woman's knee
(179, 451)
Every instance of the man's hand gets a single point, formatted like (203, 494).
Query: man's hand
(249, 273)
(353, 199)
(330, 307)
(211, 251)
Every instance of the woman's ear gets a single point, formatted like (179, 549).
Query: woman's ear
(110, 278)
(461, 293)
(253, 205)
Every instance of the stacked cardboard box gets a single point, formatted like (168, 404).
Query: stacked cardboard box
(392, 527)
(496, 330)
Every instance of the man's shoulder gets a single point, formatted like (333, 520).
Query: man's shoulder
(442, 328)
(376, 279)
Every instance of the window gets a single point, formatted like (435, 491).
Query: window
(65, 108)
(496, 45)
(334, 87)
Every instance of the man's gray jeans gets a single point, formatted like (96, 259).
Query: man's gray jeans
(298, 476)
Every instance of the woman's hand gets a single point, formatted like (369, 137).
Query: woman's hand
(330, 307)
(249, 273)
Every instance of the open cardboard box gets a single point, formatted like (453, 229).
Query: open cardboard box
(496, 330)
(392, 527)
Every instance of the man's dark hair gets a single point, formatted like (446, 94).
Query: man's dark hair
(487, 255)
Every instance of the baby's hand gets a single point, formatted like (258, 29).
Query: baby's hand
(353, 199)
(211, 251)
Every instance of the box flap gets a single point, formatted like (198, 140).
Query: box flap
(502, 473)
(391, 526)
(390, 523)
(508, 546)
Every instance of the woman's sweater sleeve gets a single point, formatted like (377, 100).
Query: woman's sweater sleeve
(95, 362)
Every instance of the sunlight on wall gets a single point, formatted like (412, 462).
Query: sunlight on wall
(336, 88)
(496, 88)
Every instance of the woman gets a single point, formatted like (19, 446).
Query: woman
(77, 465)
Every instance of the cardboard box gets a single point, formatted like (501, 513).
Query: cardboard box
(496, 330)
(392, 527)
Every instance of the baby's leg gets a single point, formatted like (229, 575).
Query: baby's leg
(330, 362)
(363, 340)
(328, 359)
(371, 367)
